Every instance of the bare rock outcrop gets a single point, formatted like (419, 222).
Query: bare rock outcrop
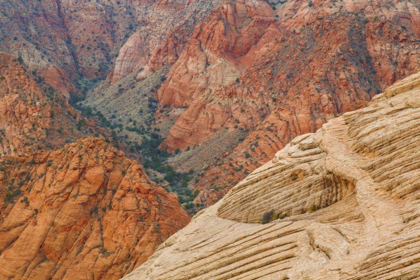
(341, 203)
(315, 61)
(68, 41)
(81, 212)
(33, 115)
(263, 71)
(166, 26)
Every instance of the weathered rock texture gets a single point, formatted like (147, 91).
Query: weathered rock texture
(342, 203)
(32, 114)
(165, 28)
(68, 39)
(143, 61)
(264, 71)
(279, 74)
(81, 212)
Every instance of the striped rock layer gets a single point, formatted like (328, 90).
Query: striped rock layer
(342, 203)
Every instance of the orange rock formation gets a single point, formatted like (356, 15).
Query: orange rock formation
(81, 212)
(32, 114)
(276, 74)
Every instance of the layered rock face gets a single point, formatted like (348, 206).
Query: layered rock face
(265, 70)
(342, 203)
(225, 37)
(277, 74)
(223, 45)
(81, 212)
(32, 114)
(67, 39)
(35, 31)
(84, 211)
(165, 28)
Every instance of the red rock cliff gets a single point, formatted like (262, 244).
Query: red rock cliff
(278, 74)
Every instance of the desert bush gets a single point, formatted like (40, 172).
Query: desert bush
(267, 216)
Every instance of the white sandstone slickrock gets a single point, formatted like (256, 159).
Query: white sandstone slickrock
(345, 203)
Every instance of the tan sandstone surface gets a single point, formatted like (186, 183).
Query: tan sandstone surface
(341, 203)
(82, 212)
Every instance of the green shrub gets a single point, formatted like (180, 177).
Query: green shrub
(313, 208)
(281, 216)
(267, 217)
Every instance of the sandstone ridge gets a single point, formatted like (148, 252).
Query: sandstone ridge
(342, 203)
(81, 212)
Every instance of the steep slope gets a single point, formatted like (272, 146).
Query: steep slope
(227, 35)
(144, 59)
(235, 80)
(33, 115)
(165, 28)
(70, 41)
(81, 212)
(342, 203)
(248, 76)
(34, 30)
(274, 75)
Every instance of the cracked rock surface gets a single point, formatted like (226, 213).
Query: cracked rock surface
(342, 203)
(82, 212)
